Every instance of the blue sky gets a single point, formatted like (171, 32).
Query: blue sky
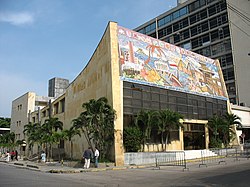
(42, 39)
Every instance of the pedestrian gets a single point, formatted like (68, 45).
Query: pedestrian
(12, 155)
(43, 156)
(87, 155)
(7, 156)
(16, 155)
(97, 153)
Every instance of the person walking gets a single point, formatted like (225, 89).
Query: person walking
(12, 155)
(16, 155)
(43, 156)
(7, 156)
(87, 155)
(97, 153)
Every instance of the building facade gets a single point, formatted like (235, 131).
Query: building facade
(22, 107)
(57, 86)
(218, 29)
(137, 72)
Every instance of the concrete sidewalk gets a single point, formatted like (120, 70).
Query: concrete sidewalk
(56, 167)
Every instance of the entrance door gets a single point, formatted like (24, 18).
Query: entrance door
(194, 136)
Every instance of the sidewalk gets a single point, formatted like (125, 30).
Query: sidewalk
(56, 167)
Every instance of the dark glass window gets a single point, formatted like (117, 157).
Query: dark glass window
(169, 30)
(212, 10)
(176, 15)
(203, 14)
(194, 31)
(183, 11)
(192, 19)
(214, 35)
(176, 26)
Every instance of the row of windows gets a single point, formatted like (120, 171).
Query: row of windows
(169, 18)
(218, 7)
(58, 107)
(200, 28)
(192, 106)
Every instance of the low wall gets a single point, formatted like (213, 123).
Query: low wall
(142, 158)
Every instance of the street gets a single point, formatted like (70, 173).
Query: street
(231, 174)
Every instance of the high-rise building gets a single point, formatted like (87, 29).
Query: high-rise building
(218, 29)
(57, 86)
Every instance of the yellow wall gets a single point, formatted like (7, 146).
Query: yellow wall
(100, 78)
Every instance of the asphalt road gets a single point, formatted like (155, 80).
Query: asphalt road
(231, 174)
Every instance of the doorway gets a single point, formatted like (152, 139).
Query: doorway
(194, 136)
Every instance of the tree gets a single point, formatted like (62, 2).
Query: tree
(82, 123)
(231, 120)
(145, 120)
(34, 134)
(5, 122)
(97, 124)
(50, 126)
(167, 121)
(217, 126)
(8, 139)
(70, 133)
(100, 119)
(132, 138)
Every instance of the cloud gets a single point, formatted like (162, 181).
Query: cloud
(21, 18)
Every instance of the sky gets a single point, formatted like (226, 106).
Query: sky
(43, 39)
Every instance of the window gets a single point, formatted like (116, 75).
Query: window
(164, 20)
(194, 6)
(142, 31)
(203, 14)
(150, 28)
(56, 106)
(187, 46)
(192, 19)
(205, 39)
(176, 15)
(169, 30)
(212, 10)
(194, 31)
(62, 103)
(176, 26)
(162, 33)
(183, 11)
(214, 35)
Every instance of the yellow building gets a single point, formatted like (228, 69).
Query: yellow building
(133, 83)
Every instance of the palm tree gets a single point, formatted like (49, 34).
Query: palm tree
(34, 133)
(232, 121)
(168, 121)
(50, 125)
(70, 133)
(145, 120)
(97, 124)
(82, 123)
(216, 125)
(100, 118)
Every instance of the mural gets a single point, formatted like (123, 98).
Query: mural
(146, 60)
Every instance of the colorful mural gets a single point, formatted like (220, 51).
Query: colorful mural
(146, 60)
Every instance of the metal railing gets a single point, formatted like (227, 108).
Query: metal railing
(175, 158)
(218, 156)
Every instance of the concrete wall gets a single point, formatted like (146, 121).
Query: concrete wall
(19, 113)
(100, 78)
(239, 30)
